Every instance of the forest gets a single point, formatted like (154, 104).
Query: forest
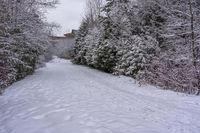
(154, 41)
(24, 35)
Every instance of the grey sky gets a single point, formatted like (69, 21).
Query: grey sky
(68, 14)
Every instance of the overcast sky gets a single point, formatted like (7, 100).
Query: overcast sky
(68, 14)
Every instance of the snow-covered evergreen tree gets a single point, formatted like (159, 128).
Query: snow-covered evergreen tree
(106, 49)
(136, 55)
(79, 50)
(112, 29)
(92, 41)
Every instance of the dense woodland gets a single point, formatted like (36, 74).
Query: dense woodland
(153, 41)
(23, 37)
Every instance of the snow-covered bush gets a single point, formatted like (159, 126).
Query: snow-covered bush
(23, 38)
(106, 56)
(135, 55)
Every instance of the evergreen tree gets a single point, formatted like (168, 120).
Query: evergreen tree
(136, 55)
(79, 49)
(153, 19)
(106, 48)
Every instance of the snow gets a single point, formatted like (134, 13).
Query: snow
(67, 98)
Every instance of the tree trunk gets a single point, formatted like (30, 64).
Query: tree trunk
(192, 33)
(194, 48)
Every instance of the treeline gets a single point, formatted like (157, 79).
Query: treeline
(23, 37)
(153, 41)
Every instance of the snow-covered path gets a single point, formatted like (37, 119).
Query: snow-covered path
(66, 98)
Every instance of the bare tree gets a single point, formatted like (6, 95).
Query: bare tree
(93, 11)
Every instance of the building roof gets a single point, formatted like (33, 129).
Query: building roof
(66, 36)
(71, 35)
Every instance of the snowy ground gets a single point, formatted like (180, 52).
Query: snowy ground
(66, 98)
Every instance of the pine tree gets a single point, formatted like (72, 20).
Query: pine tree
(106, 48)
(79, 49)
(136, 55)
(153, 19)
